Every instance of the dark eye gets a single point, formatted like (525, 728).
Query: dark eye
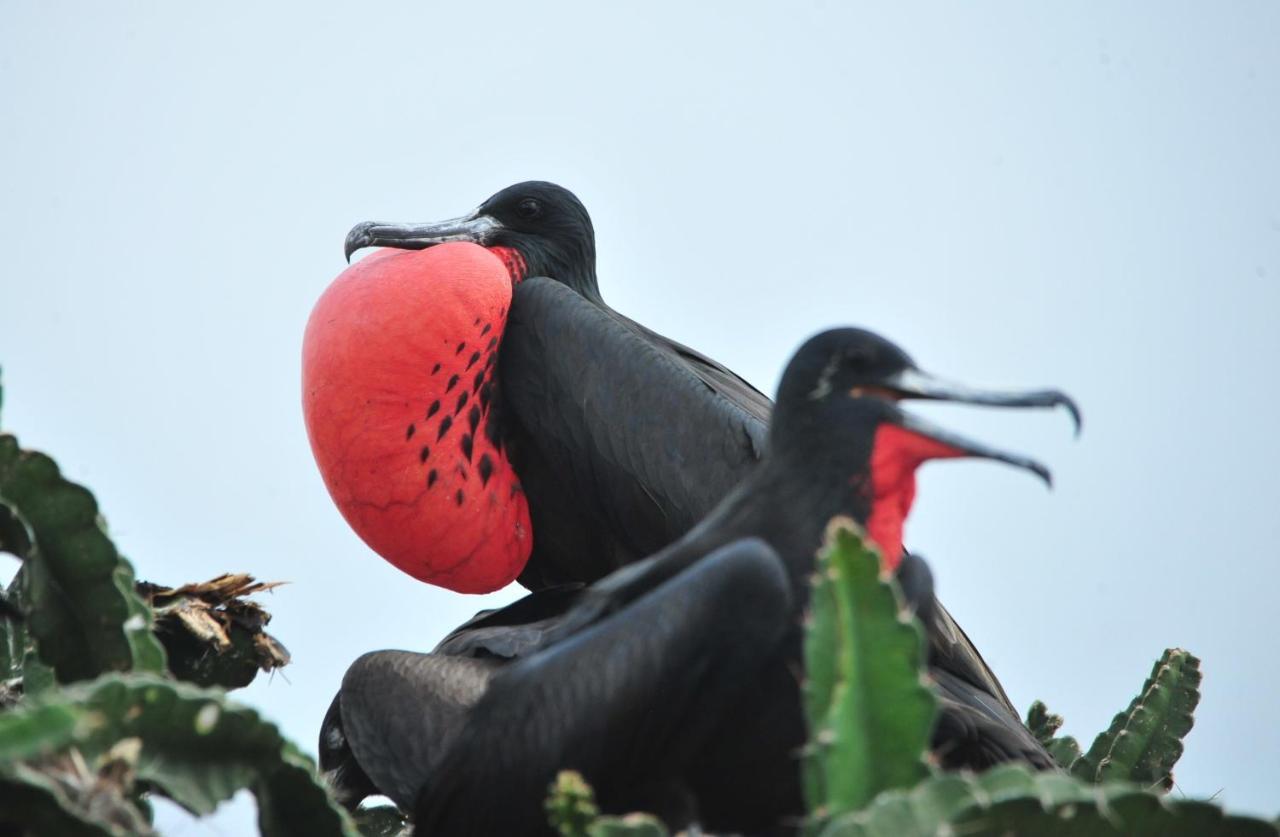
(529, 208)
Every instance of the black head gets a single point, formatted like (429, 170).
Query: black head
(844, 383)
(839, 438)
(545, 223)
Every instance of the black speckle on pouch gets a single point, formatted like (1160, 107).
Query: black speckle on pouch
(462, 402)
(445, 424)
(486, 329)
(432, 476)
(453, 382)
(424, 454)
(435, 369)
(408, 434)
(472, 362)
(433, 409)
(466, 446)
(459, 497)
(473, 418)
(486, 468)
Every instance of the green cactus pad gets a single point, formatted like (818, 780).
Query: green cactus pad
(870, 713)
(1013, 800)
(83, 612)
(1145, 741)
(193, 746)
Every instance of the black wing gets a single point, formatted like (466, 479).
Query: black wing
(628, 702)
(512, 631)
(723, 381)
(623, 440)
(395, 719)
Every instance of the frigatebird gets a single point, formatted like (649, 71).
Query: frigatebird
(672, 683)
(614, 481)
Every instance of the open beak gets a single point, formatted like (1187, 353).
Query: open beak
(953, 444)
(913, 383)
(475, 228)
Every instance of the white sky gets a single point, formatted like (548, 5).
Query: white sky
(1076, 195)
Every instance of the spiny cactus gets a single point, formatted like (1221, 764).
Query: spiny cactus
(80, 753)
(870, 714)
(855, 613)
(572, 811)
(1145, 741)
(1043, 725)
(1013, 800)
(90, 723)
(83, 612)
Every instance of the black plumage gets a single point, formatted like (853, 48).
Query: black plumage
(742, 773)
(606, 422)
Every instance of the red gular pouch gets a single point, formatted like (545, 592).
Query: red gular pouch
(896, 453)
(398, 382)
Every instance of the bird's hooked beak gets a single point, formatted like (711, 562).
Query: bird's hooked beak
(914, 383)
(476, 228)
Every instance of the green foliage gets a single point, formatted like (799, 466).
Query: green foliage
(572, 811)
(870, 714)
(1145, 741)
(186, 743)
(1013, 800)
(1043, 725)
(82, 612)
(91, 721)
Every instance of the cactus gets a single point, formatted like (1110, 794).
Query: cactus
(1144, 741)
(572, 811)
(84, 615)
(63, 751)
(1043, 725)
(870, 713)
(1015, 800)
(89, 723)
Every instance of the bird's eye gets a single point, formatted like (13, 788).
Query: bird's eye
(529, 208)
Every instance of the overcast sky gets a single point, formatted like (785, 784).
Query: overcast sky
(1079, 196)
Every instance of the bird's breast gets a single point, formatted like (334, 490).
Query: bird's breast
(400, 395)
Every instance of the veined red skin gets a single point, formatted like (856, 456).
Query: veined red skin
(397, 367)
(895, 454)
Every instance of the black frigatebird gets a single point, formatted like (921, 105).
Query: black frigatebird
(672, 682)
(612, 483)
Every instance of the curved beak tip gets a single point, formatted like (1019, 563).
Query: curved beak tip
(1077, 418)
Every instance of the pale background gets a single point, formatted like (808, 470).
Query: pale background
(1071, 195)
